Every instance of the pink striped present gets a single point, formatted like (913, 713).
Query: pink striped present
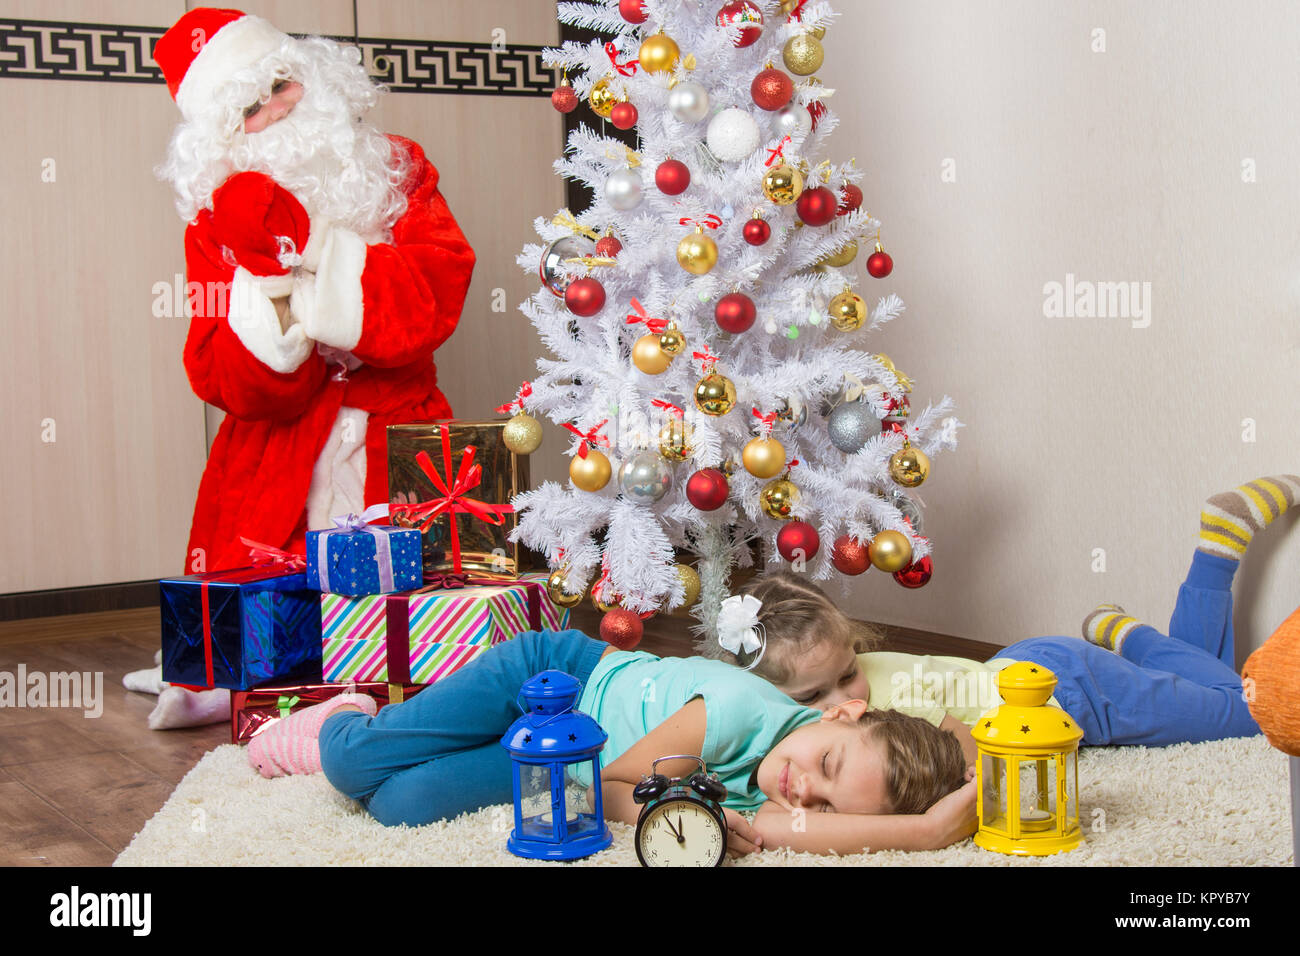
(419, 637)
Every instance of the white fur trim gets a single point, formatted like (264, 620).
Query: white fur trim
(253, 319)
(236, 46)
(336, 319)
(338, 480)
(311, 253)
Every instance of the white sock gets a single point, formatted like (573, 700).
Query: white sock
(147, 681)
(178, 707)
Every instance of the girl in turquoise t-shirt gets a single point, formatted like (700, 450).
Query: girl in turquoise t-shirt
(845, 780)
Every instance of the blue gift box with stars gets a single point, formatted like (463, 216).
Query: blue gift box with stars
(356, 562)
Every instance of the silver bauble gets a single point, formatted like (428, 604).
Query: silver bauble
(732, 135)
(552, 268)
(623, 189)
(645, 478)
(910, 509)
(850, 425)
(688, 102)
(793, 121)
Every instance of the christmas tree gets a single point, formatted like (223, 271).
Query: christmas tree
(710, 352)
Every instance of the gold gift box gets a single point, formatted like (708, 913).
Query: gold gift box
(485, 548)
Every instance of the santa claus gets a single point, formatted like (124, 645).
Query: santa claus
(330, 269)
(324, 269)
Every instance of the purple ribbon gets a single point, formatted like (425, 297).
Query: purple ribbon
(350, 523)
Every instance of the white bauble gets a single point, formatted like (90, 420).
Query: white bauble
(793, 121)
(733, 135)
(623, 189)
(689, 102)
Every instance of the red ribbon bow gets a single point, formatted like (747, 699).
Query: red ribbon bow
(772, 154)
(708, 361)
(590, 437)
(264, 555)
(510, 408)
(711, 221)
(668, 407)
(656, 326)
(768, 420)
(626, 69)
(454, 500)
(797, 12)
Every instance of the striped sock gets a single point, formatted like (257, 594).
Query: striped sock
(291, 745)
(1231, 518)
(1107, 626)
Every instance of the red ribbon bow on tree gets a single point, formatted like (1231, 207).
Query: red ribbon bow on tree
(711, 221)
(772, 154)
(626, 69)
(708, 361)
(796, 13)
(768, 421)
(511, 408)
(669, 407)
(656, 326)
(590, 437)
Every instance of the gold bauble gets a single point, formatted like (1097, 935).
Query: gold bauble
(778, 498)
(555, 590)
(783, 184)
(672, 341)
(658, 54)
(803, 54)
(675, 440)
(600, 605)
(590, 473)
(909, 466)
(602, 98)
(890, 551)
(848, 311)
(763, 457)
(843, 257)
(715, 394)
(690, 584)
(648, 356)
(818, 32)
(522, 434)
(697, 253)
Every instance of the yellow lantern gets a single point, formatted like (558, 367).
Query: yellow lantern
(1027, 774)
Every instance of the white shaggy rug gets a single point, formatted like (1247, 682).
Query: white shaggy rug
(1225, 803)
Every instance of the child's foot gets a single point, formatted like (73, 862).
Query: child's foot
(1231, 518)
(1107, 626)
(292, 745)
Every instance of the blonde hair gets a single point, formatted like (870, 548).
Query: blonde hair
(795, 615)
(923, 764)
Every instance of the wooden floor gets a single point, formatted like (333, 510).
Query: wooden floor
(74, 789)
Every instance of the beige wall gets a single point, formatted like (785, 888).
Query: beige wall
(1117, 166)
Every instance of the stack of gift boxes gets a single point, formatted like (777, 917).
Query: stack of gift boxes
(383, 609)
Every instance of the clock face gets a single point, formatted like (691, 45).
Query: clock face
(680, 832)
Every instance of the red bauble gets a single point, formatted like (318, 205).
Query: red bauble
(816, 109)
(633, 11)
(849, 556)
(771, 89)
(879, 264)
(816, 207)
(621, 628)
(850, 199)
(916, 574)
(798, 539)
(564, 99)
(672, 177)
(609, 247)
(623, 115)
(707, 489)
(735, 312)
(757, 232)
(585, 296)
(747, 16)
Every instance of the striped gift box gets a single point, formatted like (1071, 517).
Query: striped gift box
(447, 628)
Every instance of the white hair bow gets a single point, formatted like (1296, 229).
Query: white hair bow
(738, 627)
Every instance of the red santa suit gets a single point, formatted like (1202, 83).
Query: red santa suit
(302, 442)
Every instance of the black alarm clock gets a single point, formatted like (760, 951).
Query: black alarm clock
(681, 822)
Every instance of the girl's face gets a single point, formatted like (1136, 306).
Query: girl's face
(832, 766)
(284, 97)
(825, 675)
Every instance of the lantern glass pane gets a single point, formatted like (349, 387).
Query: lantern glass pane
(1072, 781)
(1037, 794)
(993, 781)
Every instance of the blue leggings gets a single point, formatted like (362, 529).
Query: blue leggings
(439, 754)
(1160, 690)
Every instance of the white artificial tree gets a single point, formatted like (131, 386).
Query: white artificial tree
(792, 363)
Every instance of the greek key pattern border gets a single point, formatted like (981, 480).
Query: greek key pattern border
(114, 53)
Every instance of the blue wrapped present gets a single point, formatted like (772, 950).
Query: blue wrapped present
(240, 629)
(357, 558)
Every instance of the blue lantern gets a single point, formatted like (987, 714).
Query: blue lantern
(544, 743)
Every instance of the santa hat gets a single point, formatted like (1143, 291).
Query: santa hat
(206, 47)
